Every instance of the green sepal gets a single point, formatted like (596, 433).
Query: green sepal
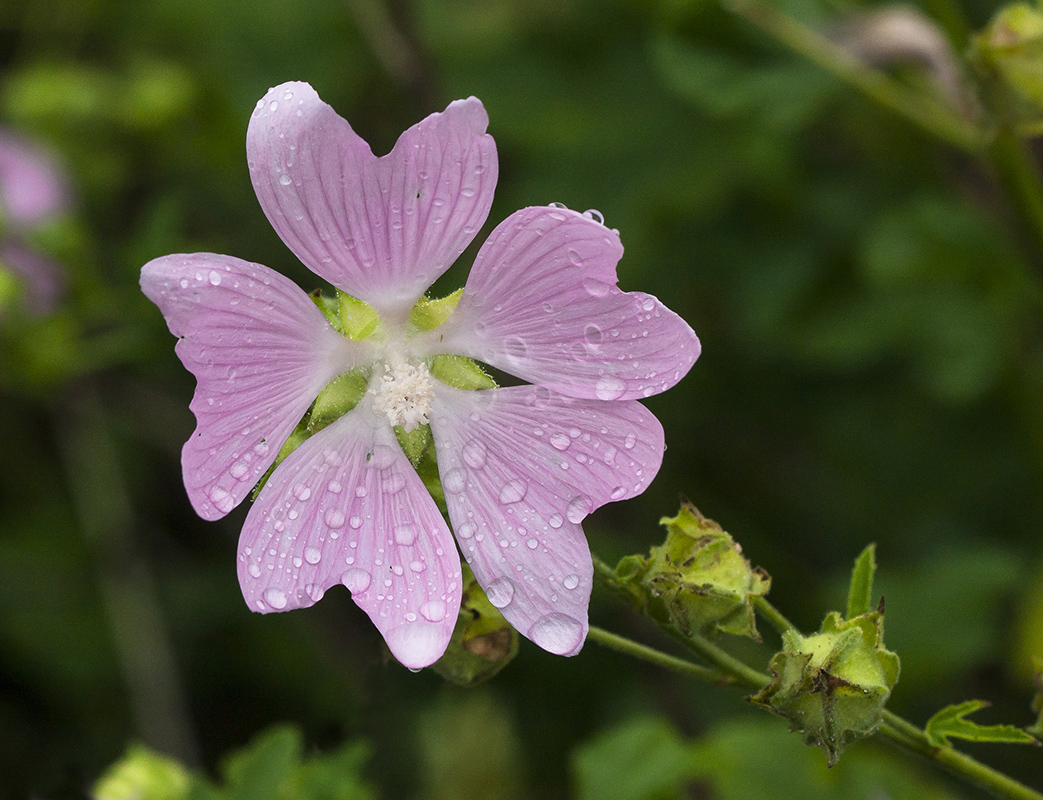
(329, 306)
(697, 581)
(428, 314)
(414, 443)
(483, 642)
(460, 372)
(833, 685)
(341, 395)
(950, 722)
(358, 320)
(860, 592)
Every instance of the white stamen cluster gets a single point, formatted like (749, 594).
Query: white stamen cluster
(403, 394)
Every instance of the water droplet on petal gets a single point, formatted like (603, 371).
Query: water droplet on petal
(357, 580)
(570, 582)
(592, 334)
(630, 441)
(312, 555)
(560, 441)
(578, 508)
(475, 454)
(301, 492)
(532, 544)
(405, 535)
(556, 520)
(394, 484)
(557, 633)
(513, 491)
(618, 492)
(609, 388)
(314, 592)
(334, 518)
(466, 531)
(254, 570)
(500, 592)
(455, 481)
(285, 179)
(276, 598)
(596, 288)
(433, 610)
(215, 277)
(222, 500)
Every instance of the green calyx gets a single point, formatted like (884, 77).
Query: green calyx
(483, 642)
(833, 685)
(697, 581)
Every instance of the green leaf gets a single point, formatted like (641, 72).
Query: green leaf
(950, 722)
(259, 771)
(428, 314)
(860, 594)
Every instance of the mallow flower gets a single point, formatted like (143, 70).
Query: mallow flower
(520, 466)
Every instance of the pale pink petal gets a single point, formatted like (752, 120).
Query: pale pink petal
(347, 507)
(380, 229)
(31, 186)
(521, 467)
(261, 352)
(541, 303)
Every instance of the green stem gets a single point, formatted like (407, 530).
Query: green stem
(772, 615)
(920, 109)
(730, 669)
(631, 648)
(1019, 177)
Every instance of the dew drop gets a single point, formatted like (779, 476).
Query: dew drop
(239, 470)
(405, 535)
(532, 544)
(595, 288)
(556, 520)
(334, 487)
(618, 492)
(557, 633)
(394, 484)
(514, 348)
(433, 610)
(285, 179)
(222, 499)
(455, 481)
(560, 441)
(334, 518)
(312, 555)
(301, 492)
(355, 522)
(500, 592)
(276, 598)
(254, 570)
(630, 441)
(570, 582)
(475, 454)
(466, 531)
(513, 491)
(592, 334)
(417, 566)
(314, 592)
(357, 580)
(578, 508)
(609, 388)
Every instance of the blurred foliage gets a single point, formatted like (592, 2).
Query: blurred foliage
(868, 302)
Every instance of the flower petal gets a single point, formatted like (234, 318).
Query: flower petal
(381, 229)
(43, 280)
(261, 352)
(541, 303)
(347, 507)
(32, 188)
(521, 467)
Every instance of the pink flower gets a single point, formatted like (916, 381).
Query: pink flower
(32, 190)
(520, 466)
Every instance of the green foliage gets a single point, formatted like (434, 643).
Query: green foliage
(271, 767)
(951, 723)
(860, 594)
(741, 759)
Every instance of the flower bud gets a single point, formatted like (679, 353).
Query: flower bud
(698, 580)
(833, 685)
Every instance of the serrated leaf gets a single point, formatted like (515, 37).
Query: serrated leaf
(950, 722)
(860, 593)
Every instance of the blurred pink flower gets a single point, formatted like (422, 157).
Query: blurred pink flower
(520, 466)
(32, 190)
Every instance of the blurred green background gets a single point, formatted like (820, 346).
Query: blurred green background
(872, 370)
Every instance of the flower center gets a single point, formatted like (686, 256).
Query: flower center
(403, 394)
